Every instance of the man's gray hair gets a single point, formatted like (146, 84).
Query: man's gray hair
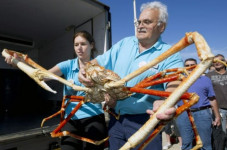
(163, 14)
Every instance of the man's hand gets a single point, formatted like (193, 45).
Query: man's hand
(217, 121)
(166, 115)
(215, 108)
(169, 113)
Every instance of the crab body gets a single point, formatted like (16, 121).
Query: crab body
(101, 76)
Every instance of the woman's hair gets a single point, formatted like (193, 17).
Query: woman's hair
(89, 38)
(163, 13)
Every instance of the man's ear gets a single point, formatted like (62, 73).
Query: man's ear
(162, 27)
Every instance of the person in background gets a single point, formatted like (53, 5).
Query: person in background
(200, 111)
(125, 57)
(219, 81)
(89, 120)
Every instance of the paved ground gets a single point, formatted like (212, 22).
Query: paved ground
(173, 147)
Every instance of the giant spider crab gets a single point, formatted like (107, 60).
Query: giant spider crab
(107, 81)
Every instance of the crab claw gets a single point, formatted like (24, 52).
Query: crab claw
(36, 74)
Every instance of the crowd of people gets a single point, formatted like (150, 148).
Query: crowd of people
(210, 111)
(134, 52)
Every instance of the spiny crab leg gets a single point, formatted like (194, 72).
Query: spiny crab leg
(203, 51)
(58, 133)
(40, 74)
(143, 132)
(217, 60)
(193, 98)
(206, 58)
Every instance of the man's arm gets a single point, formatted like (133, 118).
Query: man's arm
(214, 106)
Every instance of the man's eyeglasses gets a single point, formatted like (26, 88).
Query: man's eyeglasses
(145, 22)
(187, 65)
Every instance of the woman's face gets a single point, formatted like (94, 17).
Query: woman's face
(82, 48)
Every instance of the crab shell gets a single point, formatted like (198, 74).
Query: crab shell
(100, 76)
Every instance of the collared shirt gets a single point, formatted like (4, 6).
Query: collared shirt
(70, 70)
(204, 89)
(124, 58)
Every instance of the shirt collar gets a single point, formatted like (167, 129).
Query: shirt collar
(75, 64)
(158, 45)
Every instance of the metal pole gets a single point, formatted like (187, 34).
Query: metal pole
(135, 18)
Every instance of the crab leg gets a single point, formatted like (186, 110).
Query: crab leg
(63, 106)
(40, 74)
(198, 140)
(62, 124)
(203, 51)
(178, 77)
(156, 92)
(142, 133)
(206, 59)
(157, 78)
(29, 71)
(217, 60)
(57, 133)
(67, 133)
(116, 116)
(180, 110)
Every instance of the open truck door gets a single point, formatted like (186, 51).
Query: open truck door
(43, 30)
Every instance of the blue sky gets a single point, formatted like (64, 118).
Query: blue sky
(208, 17)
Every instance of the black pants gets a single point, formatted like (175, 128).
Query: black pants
(93, 128)
(168, 129)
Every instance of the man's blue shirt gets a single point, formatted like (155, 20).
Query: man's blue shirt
(124, 58)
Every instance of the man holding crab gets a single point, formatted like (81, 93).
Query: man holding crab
(125, 57)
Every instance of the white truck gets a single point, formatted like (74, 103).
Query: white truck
(44, 30)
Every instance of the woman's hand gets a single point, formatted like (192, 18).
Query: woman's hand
(82, 78)
(9, 60)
